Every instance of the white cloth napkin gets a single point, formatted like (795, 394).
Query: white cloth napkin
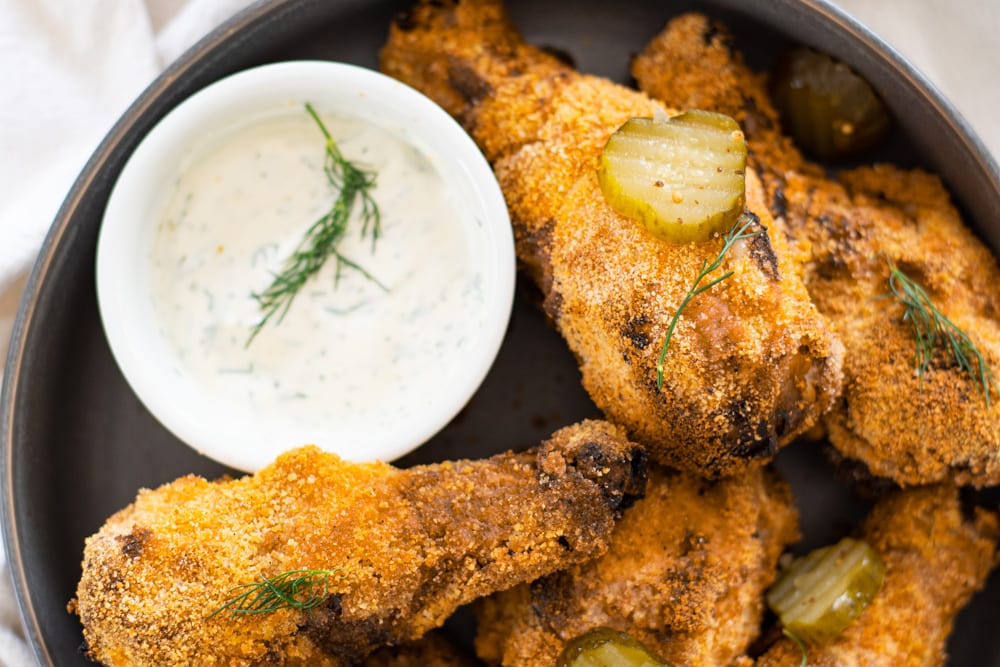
(69, 68)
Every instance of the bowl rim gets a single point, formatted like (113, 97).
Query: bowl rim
(206, 420)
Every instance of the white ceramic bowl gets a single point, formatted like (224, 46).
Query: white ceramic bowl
(206, 419)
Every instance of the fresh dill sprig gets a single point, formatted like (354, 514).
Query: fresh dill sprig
(738, 232)
(930, 328)
(798, 642)
(322, 239)
(295, 589)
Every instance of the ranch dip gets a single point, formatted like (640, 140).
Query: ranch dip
(347, 352)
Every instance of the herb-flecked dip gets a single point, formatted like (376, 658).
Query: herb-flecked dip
(355, 347)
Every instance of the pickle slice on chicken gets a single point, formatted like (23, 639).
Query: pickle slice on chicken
(684, 177)
(830, 111)
(938, 551)
(823, 592)
(604, 647)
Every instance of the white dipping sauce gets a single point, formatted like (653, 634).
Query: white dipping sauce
(344, 355)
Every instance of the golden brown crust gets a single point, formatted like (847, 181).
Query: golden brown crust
(751, 364)
(685, 575)
(936, 558)
(408, 547)
(911, 429)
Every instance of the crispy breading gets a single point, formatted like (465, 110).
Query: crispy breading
(685, 574)
(912, 429)
(751, 364)
(407, 548)
(937, 555)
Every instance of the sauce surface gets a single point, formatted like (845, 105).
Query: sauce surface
(347, 353)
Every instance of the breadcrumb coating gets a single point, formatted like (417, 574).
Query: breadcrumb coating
(751, 364)
(685, 575)
(912, 429)
(407, 548)
(937, 555)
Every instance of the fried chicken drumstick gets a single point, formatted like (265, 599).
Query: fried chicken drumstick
(751, 365)
(403, 548)
(685, 575)
(937, 555)
(912, 428)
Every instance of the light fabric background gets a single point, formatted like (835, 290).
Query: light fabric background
(69, 68)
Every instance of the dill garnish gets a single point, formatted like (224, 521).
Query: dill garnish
(930, 327)
(798, 642)
(296, 589)
(321, 240)
(737, 232)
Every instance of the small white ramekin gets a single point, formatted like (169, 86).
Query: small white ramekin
(148, 361)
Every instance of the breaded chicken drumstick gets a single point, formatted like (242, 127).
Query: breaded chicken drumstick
(685, 575)
(912, 428)
(399, 550)
(937, 555)
(751, 364)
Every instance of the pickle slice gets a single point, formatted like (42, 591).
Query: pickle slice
(684, 178)
(604, 647)
(823, 592)
(830, 111)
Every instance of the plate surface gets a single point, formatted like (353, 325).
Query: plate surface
(77, 444)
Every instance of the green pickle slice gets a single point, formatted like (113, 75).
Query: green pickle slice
(683, 178)
(830, 111)
(823, 592)
(604, 647)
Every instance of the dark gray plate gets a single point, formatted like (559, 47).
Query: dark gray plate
(77, 444)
